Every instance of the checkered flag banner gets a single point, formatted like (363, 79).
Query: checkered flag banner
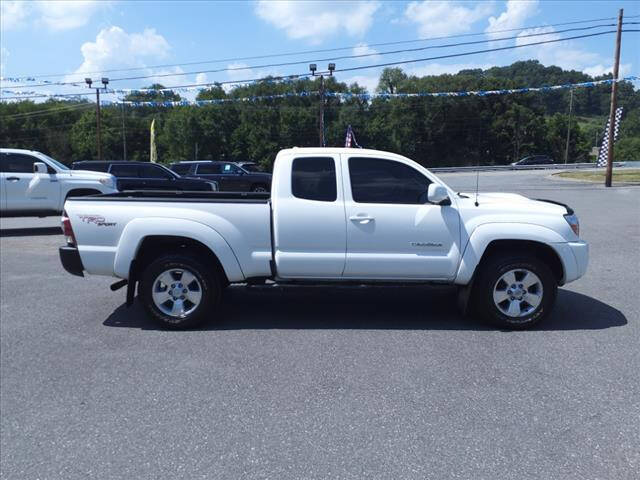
(604, 147)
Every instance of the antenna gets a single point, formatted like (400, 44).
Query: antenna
(478, 179)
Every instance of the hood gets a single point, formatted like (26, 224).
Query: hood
(514, 202)
(87, 174)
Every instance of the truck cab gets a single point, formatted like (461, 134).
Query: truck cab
(32, 183)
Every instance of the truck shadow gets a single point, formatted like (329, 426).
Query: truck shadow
(367, 308)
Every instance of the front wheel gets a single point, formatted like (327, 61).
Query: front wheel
(178, 292)
(515, 291)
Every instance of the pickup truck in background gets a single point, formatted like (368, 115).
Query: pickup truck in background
(132, 175)
(32, 183)
(334, 215)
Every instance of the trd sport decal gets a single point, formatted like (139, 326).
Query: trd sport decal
(97, 220)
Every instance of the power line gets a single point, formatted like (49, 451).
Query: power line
(363, 67)
(324, 50)
(475, 52)
(342, 57)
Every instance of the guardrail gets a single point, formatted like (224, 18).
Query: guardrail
(488, 168)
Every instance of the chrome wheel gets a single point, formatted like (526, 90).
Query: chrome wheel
(517, 293)
(176, 292)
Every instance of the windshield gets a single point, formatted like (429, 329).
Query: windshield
(252, 167)
(56, 163)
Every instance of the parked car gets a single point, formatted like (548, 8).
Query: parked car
(252, 167)
(231, 177)
(32, 183)
(146, 176)
(334, 215)
(534, 160)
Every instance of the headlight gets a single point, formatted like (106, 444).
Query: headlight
(107, 182)
(574, 223)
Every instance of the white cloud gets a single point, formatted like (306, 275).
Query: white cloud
(115, 48)
(316, 20)
(364, 49)
(54, 15)
(13, 14)
(239, 71)
(445, 17)
(515, 16)
(600, 69)
(4, 54)
(201, 78)
(66, 15)
(370, 82)
(442, 68)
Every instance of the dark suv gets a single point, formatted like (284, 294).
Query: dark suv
(146, 176)
(231, 177)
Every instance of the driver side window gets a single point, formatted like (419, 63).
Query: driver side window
(375, 180)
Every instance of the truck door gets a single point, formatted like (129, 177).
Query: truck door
(308, 217)
(392, 232)
(25, 190)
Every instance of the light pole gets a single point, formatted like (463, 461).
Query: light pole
(105, 82)
(313, 67)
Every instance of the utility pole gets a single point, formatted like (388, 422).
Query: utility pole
(566, 150)
(313, 67)
(105, 82)
(124, 136)
(612, 110)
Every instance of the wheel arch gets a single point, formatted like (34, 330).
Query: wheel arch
(489, 240)
(145, 237)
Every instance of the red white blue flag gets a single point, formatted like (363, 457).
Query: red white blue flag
(350, 138)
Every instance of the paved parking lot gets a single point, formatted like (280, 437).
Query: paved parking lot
(326, 382)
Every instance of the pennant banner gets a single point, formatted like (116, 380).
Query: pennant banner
(339, 95)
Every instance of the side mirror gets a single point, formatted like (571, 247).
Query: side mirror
(40, 167)
(438, 195)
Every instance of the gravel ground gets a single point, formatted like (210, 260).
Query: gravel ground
(317, 382)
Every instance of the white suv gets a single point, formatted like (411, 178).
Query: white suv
(32, 183)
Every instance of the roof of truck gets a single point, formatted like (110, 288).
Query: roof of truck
(333, 150)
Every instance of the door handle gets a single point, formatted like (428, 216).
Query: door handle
(362, 219)
(12, 179)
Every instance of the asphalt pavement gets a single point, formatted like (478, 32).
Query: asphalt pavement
(318, 382)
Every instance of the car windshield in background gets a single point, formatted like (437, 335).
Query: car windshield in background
(61, 166)
(252, 167)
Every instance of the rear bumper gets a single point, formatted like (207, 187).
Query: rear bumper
(70, 259)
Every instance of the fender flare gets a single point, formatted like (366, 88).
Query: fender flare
(486, 233)
(138, 229)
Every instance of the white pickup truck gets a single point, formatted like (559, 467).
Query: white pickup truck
(32, 183)
(333, 215)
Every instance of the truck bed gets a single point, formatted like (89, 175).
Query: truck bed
(181, 196)
(107, 225)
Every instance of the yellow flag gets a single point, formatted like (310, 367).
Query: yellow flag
(152, 149)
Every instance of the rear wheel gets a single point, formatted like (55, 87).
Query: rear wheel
(515, 291)
(178, 292)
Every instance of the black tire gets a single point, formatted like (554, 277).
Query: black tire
(259, 188)
(209, 285)
(492, 271)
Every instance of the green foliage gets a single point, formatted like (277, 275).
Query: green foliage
(435, 131)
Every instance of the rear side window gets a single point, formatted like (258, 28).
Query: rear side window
(17, 163)
(181, 169)
(314, 178)
(375, 180)
(128, 171)
(208, 169)
(153, 171)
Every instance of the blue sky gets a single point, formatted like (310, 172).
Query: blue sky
(75, 37)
